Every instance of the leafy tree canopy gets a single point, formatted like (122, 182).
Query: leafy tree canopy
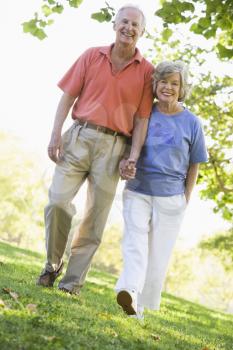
(37, 25)
(210, 18)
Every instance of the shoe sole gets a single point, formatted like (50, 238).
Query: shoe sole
(124, 299)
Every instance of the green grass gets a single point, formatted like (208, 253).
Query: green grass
(93, 320)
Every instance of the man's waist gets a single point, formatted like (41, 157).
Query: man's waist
(99, 128)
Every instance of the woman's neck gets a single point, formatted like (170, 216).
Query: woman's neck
(169, 108)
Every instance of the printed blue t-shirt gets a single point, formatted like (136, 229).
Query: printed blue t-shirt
(172, 143)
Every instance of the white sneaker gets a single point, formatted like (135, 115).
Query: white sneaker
(128, 301)
(140, 311)
(139, 315)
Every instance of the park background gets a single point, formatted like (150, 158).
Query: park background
(30, 70)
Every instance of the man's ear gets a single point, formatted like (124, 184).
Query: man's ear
(114, 25)
(143, 31)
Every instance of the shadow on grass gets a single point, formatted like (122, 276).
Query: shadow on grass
(11, 251)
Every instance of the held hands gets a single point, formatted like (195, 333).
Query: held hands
(55, 151)
(127, 169)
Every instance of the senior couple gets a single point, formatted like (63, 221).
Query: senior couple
(110, 92)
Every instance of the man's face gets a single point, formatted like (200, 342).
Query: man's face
(128, 27)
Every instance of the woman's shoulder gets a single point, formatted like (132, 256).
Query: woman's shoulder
(193, 117)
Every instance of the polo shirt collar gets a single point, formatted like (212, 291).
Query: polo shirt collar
(106, 50)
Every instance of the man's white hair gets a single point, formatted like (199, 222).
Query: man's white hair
(131, 6)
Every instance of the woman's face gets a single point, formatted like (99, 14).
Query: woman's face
(168, 88)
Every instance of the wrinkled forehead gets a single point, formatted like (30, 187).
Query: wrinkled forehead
(130, 13)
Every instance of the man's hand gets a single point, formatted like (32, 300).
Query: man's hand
(127, 169)
(55, 151)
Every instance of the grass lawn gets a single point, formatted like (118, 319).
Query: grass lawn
(36, 318)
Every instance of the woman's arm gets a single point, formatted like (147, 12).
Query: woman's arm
(191, 179)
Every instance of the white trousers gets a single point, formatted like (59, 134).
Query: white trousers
(151, 226)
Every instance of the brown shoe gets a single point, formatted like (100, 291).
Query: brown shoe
(47, 278)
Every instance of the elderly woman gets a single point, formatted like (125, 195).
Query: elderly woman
(155, 199)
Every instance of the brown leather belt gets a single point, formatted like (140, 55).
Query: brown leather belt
(100, 128)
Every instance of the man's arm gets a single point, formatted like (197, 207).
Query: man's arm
(138, 137)
(55, 144)
(191, 179)
(127, 166)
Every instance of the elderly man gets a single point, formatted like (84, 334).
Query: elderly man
(110, 92)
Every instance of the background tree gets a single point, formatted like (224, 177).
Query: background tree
(221, 246)
(44, 17)
(209, 18)
(23, 195)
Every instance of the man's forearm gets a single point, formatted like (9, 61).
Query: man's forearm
(138, 137)
(63, 108)
(55, 144)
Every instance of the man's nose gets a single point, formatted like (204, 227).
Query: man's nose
(129, 26)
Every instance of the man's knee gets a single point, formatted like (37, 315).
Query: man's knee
(61, 206)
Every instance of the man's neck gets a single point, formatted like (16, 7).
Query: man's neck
(123, 53)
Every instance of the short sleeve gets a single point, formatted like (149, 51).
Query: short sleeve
(72, 82)
(198, 151)
(144, 109)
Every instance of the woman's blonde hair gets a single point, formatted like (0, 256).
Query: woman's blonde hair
(166, 68)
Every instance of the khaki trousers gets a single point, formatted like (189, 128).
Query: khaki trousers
(88, 155)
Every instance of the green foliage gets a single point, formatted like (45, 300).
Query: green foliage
(210, 18)
(217, 174)
(75, 3)
(221, 245)
(22, 194)
(37, 25)
(105, 14)
(175, 12)
(35, 318)
(214, 21)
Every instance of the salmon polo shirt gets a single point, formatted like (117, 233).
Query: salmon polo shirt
(106, 98)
